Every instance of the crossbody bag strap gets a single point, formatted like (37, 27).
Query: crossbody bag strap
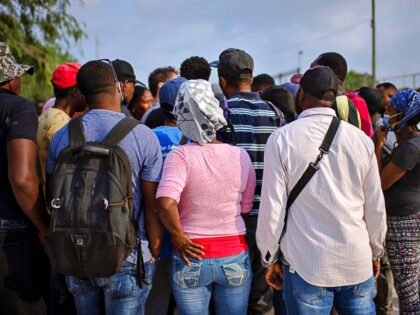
(312, 168)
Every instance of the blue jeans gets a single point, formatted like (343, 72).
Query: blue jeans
(228, 279)
(303, 298)
(119, 294)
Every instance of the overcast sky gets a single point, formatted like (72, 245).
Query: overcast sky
(154, 33)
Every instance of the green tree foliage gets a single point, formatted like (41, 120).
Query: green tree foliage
(37, 31)
(356, 80)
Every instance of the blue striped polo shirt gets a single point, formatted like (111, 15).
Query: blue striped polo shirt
(253, 121)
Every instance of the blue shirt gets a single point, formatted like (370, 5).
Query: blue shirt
(253, 120)
(140, 145)
(169, 138)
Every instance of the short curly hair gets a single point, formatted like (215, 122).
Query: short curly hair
(195, 68)
(335, 62)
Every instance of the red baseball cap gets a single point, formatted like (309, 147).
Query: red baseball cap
(64, 76)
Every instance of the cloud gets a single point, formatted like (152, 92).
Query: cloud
(153, 33)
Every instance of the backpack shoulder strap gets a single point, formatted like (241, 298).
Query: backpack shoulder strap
(120, 130)
(77, 138)
(279, 116)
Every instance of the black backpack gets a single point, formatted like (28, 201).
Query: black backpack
(92, 227)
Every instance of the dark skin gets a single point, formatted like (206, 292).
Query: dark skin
(391, 173)
(12, 85)
(143, 104)
(21, 159)
(154, 228)
(72, 103)
(386, 94)
(229, 90)
(128, 90)
(169, 216)
(274, 273)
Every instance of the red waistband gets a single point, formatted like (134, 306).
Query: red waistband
(225, 246)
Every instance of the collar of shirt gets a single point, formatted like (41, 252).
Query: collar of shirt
(2, 90)
(97, 111)
(327, 111)
(246, 95)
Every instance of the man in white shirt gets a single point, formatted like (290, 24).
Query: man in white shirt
(336, 226)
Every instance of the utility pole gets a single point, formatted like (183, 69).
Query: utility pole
(98, 44)
(300, 53)
(373, 83)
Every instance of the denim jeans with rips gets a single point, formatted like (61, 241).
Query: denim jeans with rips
(303, 298)
(227, 279)
(119, 294)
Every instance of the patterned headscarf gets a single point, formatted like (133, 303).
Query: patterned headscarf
(197, 110)
(407, 102)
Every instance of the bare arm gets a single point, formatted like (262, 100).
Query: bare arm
(21, 158)
(390, 174)
(380, 136)
(168, 214)
(154, 228)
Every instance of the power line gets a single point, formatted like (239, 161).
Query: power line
(317, 38)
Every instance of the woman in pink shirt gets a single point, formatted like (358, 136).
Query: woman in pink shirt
(205, 189)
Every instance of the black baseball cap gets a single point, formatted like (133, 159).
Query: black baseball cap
(125, 71)
(319, 80)
(236, 64)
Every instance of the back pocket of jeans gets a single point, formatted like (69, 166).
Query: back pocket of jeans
(185, 276)
(237, 272)
(123, 285)
(74, 285)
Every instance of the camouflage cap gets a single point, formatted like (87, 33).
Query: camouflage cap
(9, 68)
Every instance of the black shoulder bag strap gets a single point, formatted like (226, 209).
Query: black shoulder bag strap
(77, 138)
(311, 169)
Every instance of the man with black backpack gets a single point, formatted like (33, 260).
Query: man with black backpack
(102, 172)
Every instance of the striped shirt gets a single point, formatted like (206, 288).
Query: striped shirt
(253, 122)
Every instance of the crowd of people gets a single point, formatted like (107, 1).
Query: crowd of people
(187, 197)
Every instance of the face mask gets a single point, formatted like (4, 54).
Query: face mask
(387, 121)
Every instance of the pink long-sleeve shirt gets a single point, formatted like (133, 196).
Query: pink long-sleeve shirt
(212, 184)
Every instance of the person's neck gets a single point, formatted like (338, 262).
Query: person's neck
(8, 88)
(310, 106)
(106, 106)
(406, 133)
(214, 141)
(170, 122)
(242, 88)
(62, 104)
